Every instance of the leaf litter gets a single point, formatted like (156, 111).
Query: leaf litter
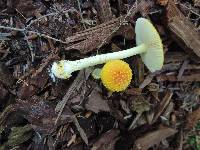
(79, 113)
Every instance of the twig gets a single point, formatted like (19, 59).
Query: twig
(190, 9)
(79, 7)
(47, 15)
(132, 126)
(10, 28)
(34, 32)
(30, 46)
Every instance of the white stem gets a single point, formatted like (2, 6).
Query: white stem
(100, 59)
(71, 66)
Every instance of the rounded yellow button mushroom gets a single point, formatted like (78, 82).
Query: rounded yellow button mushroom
(116, 75)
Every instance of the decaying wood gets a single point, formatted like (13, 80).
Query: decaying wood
(95, 37)
(153, 138)
(82, 76)
(173, 57)
(138, 66)
(184, 32)
(163, 105)
(186, 78)
(182, 69)
(92, 38)
(104, 10)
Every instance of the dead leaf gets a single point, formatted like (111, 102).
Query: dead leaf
(33, 85)
(153, 138)
(96, 103)
(193, 118)
(41, 114)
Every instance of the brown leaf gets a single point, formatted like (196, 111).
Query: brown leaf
(41, 114)
(35, 84)
(106, 141)
(37, 79)
(153, 138)
(193, 118)
(96, 103)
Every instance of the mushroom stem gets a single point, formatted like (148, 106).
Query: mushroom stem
(71, 66)
(100, 59)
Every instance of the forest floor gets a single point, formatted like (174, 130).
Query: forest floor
(80, 113)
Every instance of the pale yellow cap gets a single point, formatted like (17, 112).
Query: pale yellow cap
(148, 35)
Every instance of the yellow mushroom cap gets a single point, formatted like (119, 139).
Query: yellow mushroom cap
(116, 75)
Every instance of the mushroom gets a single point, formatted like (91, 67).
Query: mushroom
(116, 75)
(149, 46)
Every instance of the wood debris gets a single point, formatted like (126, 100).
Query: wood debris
(106, 141)
(104, 10)
(153, 138)
(184, 32)
(80, 113)
(163, 105)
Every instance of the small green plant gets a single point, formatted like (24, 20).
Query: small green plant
(194, 139)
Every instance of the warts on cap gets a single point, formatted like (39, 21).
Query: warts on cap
(116, 75)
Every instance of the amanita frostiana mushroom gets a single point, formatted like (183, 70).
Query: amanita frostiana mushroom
(149, 46)
(116, 75)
